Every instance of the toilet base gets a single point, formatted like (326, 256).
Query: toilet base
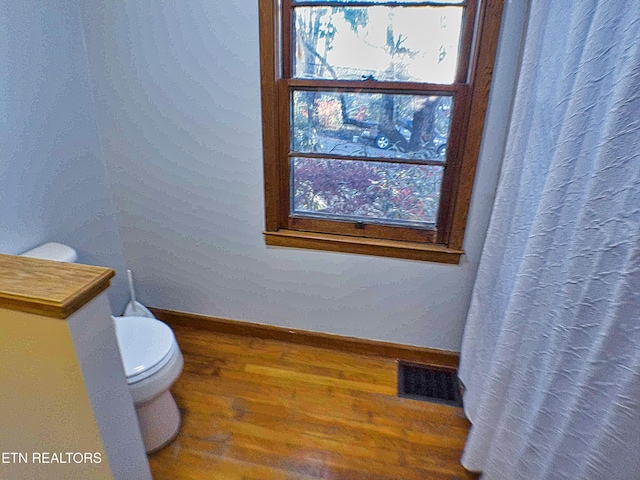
(159, 421)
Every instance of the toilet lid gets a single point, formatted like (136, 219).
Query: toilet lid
(146, 344)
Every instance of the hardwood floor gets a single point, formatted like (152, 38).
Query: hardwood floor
(258, 409)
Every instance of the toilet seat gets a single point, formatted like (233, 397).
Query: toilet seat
(146, 346)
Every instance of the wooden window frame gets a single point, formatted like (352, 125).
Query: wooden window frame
(472, 93)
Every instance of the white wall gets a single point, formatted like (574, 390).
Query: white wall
(53, 184)
(178, 102)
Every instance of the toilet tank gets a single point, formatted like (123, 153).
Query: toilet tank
(53, 251)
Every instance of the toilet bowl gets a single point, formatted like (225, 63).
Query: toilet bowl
(152, 362)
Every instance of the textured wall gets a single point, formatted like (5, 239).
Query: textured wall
(178, 101)
(53, 184)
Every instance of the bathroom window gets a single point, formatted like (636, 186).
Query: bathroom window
(372, 118)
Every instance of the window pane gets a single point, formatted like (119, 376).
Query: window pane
(387, 1)
(373, 191)
(371, 124)
(385, 43)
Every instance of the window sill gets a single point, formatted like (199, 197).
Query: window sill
(364, 246)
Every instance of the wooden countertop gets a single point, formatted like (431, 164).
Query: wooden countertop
(47, 288)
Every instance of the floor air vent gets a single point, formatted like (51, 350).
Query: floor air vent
(429, 384)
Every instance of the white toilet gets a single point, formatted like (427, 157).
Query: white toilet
(152, 362)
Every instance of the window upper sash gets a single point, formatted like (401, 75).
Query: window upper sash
(466, 39)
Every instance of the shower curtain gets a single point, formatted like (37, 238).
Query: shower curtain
(551, 351)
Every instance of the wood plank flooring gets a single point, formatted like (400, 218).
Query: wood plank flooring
(258, 409)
